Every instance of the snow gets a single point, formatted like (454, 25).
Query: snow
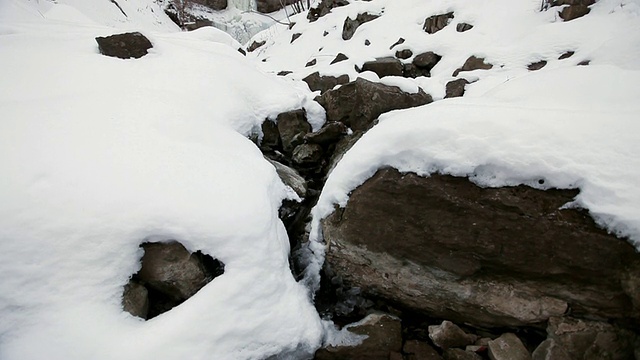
(102, 154)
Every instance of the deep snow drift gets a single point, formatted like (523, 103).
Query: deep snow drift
(101, 154)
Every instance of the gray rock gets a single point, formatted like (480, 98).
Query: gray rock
(124, 46)
(291, 178)
(268, 6)
(426, 60)
(307, 154)
(419, 350)
(508, 347)
(331, 132)
(473, 63)
(435, 23)
(387, 66)
(566, 54)
(459, 354)
(455, 88)
(462, 27)
(550, 350)
(270, 136)
(351, 25)
(404, 54)
(324, 83)
(400, 41)
(449, 335)
(216, 4)
(135, 299)
(536, 65)
(254, 45)
(323, 8)
(292, 125)
(340, 57)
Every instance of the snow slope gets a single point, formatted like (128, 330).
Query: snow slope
(100, 154)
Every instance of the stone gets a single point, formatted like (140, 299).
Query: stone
(411, 71)
(449, 335)
(566, 54)
(572, 2)
(323, 8)
(216, 4)
(254, 45)
(367, 42)
(307, 154)
(135, 299)
(549, 350)
(284, 73)
(351, 25)
(536, 65)
(404, 54)
(269, 6)
(292, 125)
(420, 350)
(582, 339)
(295, 36)
(324, 83)
(197, 24)
(455, 88)
(473, 63)
(400, 41)
(330, 133)
(384, 337)
(386, 66)
(508, 347)
(462, 27)
(573, 12)
(124, 46)
(342, 146)
(435, 23)
(291, 178)
(338, 58)
(584, 63)
(270, 136)
(241, 51)
(459, 354)
(426, 60)
(358, 103)
(487, 257)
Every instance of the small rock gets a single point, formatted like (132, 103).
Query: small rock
(584, 63)
(455, 88)
(508, 347)
(536, 65)
(284, 73)
(426, 60)
(400, 41)
(435, 23)
(135, 299)
(367, 42)
(473, 63)
(254, 45)
(572, 12)
(324, 8)
(448, 335)
(419, 350)
(324, 83)
(241, 51)
(412, 71)
(462, 27)
(338, 58)
(124, 46)
(216, 4)
(459, 354)
(404, 54)
(351, 25)
(566, 54)
(550, 350)
(270, 136)
(311, 63)
(331, 132)
(387, 66)
(295, 36)
(291, 178)
(307, 154)
(292, 124)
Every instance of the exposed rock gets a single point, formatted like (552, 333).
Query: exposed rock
(270, 136)
(358, 103)
(426, 60)
(284, 73)
(384, 337)
(462, 27)
(367, 42)
(455, 88)
(135, 299)
(295, 36)
(536, 65)
(572, 2)
(324, 83)
(566, 54)
(508, 347)
(338, 58)
(241, 51)
(400, 41)
(435, 23)
(254, 45)
(124, 46)
(331, 132)
(550, 350)
(473, 63)
(323, 8)
(513, 258)
(307, 154)
(342, 147)
(449, 335)
(292, 126)
(291, 178)
(404, 54)
(216, 4)
(572, 12)
(584, 63)
(197, 24)
(583, 339)
(419, 350)
(351, 25)
(311, 63)
(412, 71)
(459, 354)
(386, 66)
(269, 6)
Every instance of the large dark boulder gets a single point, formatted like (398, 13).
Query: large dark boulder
(124, 46)
(351, 25)
(216, 4)
(435, 23)
(358, 103)
(323, 8)
(386, 66)
(324, 83)
(507, 256)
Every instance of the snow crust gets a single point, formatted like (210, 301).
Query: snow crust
(101, 154)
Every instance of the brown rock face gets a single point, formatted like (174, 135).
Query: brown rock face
(435, 23)
(324, 83)
(489, 257)
(387, 66)
(572, 12)
(292, 126)
(449, 335)
(455, 88)
(359, 103)
(351, 25)
(124, 46)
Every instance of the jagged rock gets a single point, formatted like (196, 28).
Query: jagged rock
(270, 136)
(324, 83)
(358, 103)
(412, 71)
(197, 24)
(462, 27)
(536, 65)
(338, 58)
(241, 51)
(582, 339)
(284, 73)
(307, 154)
(426, 60)
(508, 347)
(342, 147)
(384, 337)
(584, 63)
(449, 335)
(268, 6)
(566, 54)
(572, 12)
(124, 46)
(135, 299)
(459, 354)
(254, 45)
(291, 178)
(400, 41)
(386, 66)
(292, 126)
(455, 88)
(435, 23)
(216, 4)
(331, 132)
(311, 63)
(549, 350)
(404, 54)
(351, 25)
(481, 256)
(295, 36)
(324, 8)
(419, 350)
(473, 63)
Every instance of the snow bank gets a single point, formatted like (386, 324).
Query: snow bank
(101, 154)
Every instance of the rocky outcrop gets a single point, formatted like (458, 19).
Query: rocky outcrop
(404, 54)
(323, 8)
(435, 23)
(124, 46)
(324, 83)
(351, 25)
(473, 63)
(447, 248)
(358, 103)
(386, 66)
